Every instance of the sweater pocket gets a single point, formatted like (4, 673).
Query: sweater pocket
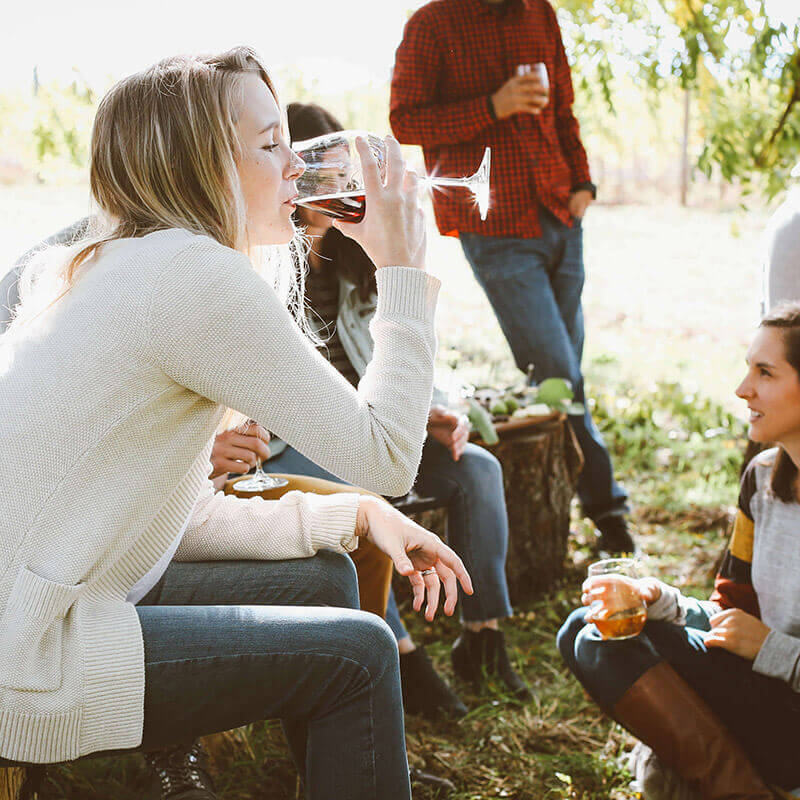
(31, 629)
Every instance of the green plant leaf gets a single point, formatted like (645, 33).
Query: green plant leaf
(554, 390)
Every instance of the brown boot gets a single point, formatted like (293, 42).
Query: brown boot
(664, 712)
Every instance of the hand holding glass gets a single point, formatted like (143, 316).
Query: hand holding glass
(259, 481)
(616, 605)
(333, 182)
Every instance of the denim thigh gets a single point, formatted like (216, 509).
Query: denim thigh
(534, 287)
(222, 649)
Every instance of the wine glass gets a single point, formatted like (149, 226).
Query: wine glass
(333, 183)
(259, 481)
(618, 610)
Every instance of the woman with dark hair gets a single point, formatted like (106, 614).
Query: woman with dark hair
(342, 301)
(713, 687)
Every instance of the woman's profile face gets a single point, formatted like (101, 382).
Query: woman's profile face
(268, 167)
(771, 388)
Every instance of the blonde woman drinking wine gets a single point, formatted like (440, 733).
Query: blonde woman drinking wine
(118, 364)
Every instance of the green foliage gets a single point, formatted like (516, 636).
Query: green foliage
(742, 68)
(682, 450)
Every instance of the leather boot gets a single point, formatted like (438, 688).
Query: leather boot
(484, 651)
(180, 773)
(664, 712)
(424, 690)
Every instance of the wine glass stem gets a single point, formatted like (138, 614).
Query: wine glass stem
(446, 181)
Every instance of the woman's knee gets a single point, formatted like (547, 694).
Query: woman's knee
(568, 633)
(333, 580)
(374, 647)
(479, 470)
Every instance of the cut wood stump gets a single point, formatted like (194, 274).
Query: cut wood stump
(11, 781)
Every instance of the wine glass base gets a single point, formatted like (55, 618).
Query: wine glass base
(260, 484)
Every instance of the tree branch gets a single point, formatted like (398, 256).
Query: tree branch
(761, 158)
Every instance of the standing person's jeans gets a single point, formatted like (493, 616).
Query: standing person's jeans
(477, 523)
(762, 713)
(225, 645)
(534, 287)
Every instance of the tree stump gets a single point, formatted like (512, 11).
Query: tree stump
(11, 781)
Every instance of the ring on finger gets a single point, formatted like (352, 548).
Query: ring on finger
(430, 571)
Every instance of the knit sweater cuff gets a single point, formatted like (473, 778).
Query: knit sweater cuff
(779, 657)
(407, 292)
(668, 606)
(331, 520)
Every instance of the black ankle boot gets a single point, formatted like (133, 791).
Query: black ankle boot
(424, 690)
(484, 653)
(615, 538)
(179, 773)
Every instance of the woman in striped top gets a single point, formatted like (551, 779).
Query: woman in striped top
(713, 687)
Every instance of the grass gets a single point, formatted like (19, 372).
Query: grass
(670, 297)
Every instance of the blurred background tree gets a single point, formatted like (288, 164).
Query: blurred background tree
(724, 72)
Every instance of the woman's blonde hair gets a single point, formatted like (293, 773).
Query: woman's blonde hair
(164, 154)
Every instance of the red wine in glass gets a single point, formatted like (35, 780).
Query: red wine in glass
(349, 206)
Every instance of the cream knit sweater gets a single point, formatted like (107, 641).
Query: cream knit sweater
(108, 406)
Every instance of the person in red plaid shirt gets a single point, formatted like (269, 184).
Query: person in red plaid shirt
(455, 90)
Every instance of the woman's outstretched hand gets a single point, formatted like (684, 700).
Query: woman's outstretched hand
(414, 551)
(392, 232)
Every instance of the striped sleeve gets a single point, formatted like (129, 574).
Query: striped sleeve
(733, 587)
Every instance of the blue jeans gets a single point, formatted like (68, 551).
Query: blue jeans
(534, 287)
(477, 523)
(234, 642)
(762, 713)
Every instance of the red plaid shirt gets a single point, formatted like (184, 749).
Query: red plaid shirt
(454, 55)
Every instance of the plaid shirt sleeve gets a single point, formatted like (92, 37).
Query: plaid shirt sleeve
(563, 96)
(415, 114)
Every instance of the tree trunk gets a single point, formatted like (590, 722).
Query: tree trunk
(20, 783)
(685, 149)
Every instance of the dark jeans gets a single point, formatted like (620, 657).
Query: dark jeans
(534, 287)
(229, 643)
(762, 713)
(477, 523)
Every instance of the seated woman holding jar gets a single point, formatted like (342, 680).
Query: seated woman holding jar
(713, 687)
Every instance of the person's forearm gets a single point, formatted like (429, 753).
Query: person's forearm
(371, 438)
(779, 657)
(568, 132)
(227, 528)
(673, 606)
